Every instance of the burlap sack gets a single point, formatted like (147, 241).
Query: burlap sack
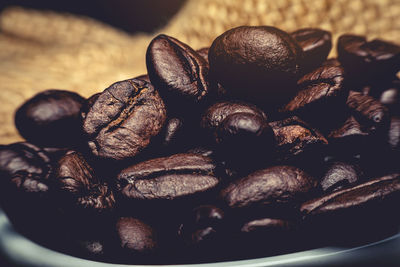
(42, 50)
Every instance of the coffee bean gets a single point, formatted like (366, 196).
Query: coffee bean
(369, 111)
(168, 178)
(216, 113)
(79, 190)
(394, 134)
(316, 45)
(178, 72)
(322, 96)
(89, 102)
(136, 240)
(245, 140)
(368, 60)
(340, 175)
(124, 119)
(256, 63)
(295, 139)
(276, 191)
(51, 118)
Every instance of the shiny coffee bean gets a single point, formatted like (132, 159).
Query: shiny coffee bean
(245, 139)
(276, 191)
(259, 64)
(79, 190)
(168, 178)
(178, 72)
(295, 139)
(51, 118)
(367, 60)
(316, 45)
(216, 113)
(340, 175)
(123, 120)
(322, 96)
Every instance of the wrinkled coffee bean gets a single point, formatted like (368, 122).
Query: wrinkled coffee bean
(276, 191)
(245, 137)
(79, 189)
(256, 63)
(168, 178)
(316, 45)
(178, 72)
(369, 111)
(296, 138)
(51, 118)
(340, 175)
(368, 59)
(322, 96)
(124, 119)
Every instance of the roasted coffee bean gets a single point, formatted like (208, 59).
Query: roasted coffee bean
(379, 192)
(295, 139)
(203, 52)
(368, 60)
(178, 72)
(322, 96)
(51, 118)
(276, 191)
(340, 175)
(267, 225)
(24, 157)
(168, 178)
(79, 190)
(369, 111)
(256, 63)
(136, 240)
(216, 113)
(124, 119)
(316, 45)
(388, 93)
(245, 139)
(172, 130)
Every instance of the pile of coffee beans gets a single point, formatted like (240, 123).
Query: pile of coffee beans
(258, 145)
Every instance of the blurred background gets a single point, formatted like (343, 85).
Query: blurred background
(85, 46)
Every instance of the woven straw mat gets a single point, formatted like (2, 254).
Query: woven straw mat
(41, 50)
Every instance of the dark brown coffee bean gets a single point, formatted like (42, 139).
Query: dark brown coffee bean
(256, 63)
(265, 225)
(388, 93)
(369, 111)
(356, 199)
(277, 190)
(316, 45)
(340, 175)
(394, 134)
(79, 189)
(215, 114)
(367, 60)
(135, 239)
(124, 119)
(295, 138)
(321, 97)
(245, 140)
(178, 72)
(51, 118)
(168, 178)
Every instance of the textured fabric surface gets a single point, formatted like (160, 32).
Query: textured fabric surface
(43, 50)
